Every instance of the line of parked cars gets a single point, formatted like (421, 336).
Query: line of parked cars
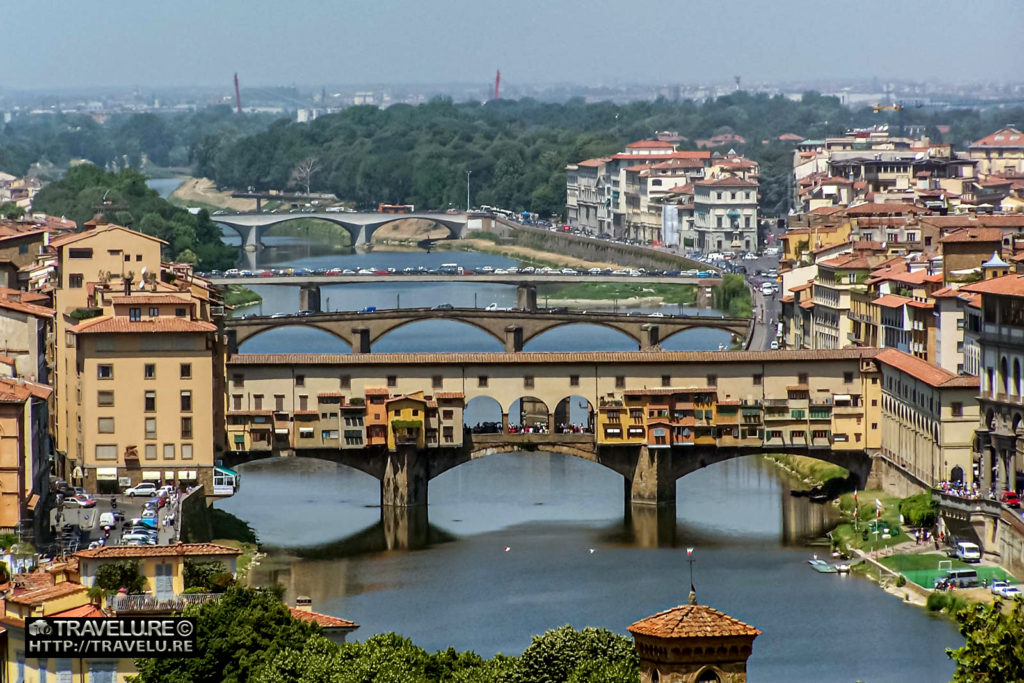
(484, 270)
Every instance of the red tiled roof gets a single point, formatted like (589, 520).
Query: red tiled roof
(592, 163)
(76, 236)
(726, 182)
(791, 137)
(19, 391)
(120, 324)
(377, 391)
(925, 371)
(448, 395)
(26, 308)
(322, 620)
(187, 549)
(42, 595)
(1004, 137)
(650, 144)
(89, 610)
(973, 235)
(891, 301)
(807, 304)
(1008, 285)
(882, 209)
(691, 621)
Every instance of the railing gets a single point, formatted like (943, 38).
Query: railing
(124, 604)
(984, 506)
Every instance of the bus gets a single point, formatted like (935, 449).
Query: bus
(396, 208)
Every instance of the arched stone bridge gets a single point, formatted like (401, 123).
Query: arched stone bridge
(512, 328)
(360, 226)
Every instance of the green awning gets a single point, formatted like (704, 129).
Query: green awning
(225, 470)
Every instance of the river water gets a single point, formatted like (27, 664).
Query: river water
(518, 544)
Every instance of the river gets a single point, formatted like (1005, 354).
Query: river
(573, 554)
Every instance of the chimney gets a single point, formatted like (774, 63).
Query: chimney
(304, 603)
(15, 297)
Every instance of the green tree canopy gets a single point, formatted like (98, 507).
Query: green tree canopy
(994, 647)
(114, 576)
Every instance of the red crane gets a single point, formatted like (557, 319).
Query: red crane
(238, 96)
(497, 82)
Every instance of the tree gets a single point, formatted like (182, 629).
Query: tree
(114, 576)
(210, 576)
(236, 633)
(565, 654)
(994, 647)
(11, 211)
(303, 172)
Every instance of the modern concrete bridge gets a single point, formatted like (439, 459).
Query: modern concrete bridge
(513, 328)
(360, 226)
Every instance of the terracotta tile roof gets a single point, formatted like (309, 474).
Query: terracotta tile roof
(691, 621)
(449, 395)
(650, 144)
(985, 221)
(825, 211)
(798, 387)
(668, 391)
(787, 299)
(330, 394)
(121, 324)
(588, 357)
(945, 293)
(250, 412)
(875, 209)
(593, 163)
(27, 308)
(188, 549)
(76, 236)
(891, 301)
(19, 391)
(800, 288)
(377, 391)
(726, 182)
(1004, 137)
(921, 304)
(846, 261)
(42, 595)
(925, 371)
(807, 304)
(1008, 285)
(973, 235)
(26, 297)
(322, 620)
(89, 610)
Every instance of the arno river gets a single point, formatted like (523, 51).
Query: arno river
(574, 555)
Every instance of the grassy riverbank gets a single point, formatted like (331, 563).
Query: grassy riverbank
(611, 291)
(238, 296)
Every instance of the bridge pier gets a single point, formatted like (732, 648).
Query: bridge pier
(251, 238)
(404, 483)
(653, 481)
(526, 297)
(360, 340)
(405, 528)
(650, 337)
(652, 526)
(309, 298)
(513, 339)
(705, 296)
(360, 238)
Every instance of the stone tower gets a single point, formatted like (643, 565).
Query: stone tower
(693, 644)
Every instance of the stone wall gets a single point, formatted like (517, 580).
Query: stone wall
(1010, 542)
(195, 517)
(893, 479)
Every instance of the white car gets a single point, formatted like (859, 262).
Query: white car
(775, 345)
(146, 488)
(750, 256)
(998, 587)
(1010, 592)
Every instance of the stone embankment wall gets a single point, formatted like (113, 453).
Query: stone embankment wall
(1010, 542)
(893, 479)
(195, 517)
(588, 249)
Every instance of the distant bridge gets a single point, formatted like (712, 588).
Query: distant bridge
(360, 226)
(512, 328)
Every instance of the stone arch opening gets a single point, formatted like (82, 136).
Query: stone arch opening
(529, 414)
(1004, 375)
(581, 337)
(294, 338)
(309, 228)
(410, 229)
(1016, 377)
(574, 414)
(437, 336)
(956, 475)
(708, 675)
(482, 415)
(698, 338)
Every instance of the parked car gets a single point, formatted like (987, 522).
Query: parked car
(1010, 592)
(137, 539)
(997, 586)
(443, 307)
(968, 552)
(110, 519)
(80, 502)
(146, 488)
(1010, 498)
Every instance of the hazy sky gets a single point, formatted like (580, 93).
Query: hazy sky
(60, 43)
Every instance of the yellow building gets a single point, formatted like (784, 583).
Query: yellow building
(1002, 152)
(407, 417)
(139, 395)
(24, 474)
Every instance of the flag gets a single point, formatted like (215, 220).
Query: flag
(689, 551)
(878, 504)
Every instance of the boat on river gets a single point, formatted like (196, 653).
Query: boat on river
(822, 566)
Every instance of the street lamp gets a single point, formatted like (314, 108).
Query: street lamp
(467, 190)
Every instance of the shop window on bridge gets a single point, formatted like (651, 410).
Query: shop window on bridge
(797, 414)
(820, 434)
(481, 381)
(330, 434)
(437, 381)
(636, 414)
(712, 380)
(352, 437)
(528, 381)
(758, 379)
(666, 380)
(449, 434)
(620, 382)
(346, 381)
(447, 414)
(305, 433)
(774, 434)
(574, 380)
(802, 378)
(237, 380)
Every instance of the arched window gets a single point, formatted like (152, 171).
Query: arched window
(708, 676)
(1004, 375)
(1016, 377)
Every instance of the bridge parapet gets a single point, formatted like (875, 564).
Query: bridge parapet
(964, 508)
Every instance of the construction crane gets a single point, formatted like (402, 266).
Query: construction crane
(497, 83)
(238, 96)
(896, 107)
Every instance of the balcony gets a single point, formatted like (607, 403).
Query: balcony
(150, 604)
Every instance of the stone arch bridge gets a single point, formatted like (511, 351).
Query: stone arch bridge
(512, 328)
(360, 226)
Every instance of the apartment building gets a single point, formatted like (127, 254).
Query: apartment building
(139, 392)
(24, 457)
(1001, 152)
(725, 214)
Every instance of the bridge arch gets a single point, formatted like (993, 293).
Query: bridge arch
(701, 326)
(251, 226)
(243, 335)
(557, 328)
(483, 415)
(529, 413)
(575, 411)
(385, 331)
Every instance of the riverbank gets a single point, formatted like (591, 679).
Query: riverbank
(238, 296)
(203, 193)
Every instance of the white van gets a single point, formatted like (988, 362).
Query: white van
(968, 552)
(767, 289)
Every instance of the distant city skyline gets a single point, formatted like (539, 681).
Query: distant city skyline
(192, 43)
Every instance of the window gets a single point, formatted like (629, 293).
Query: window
(149, 371)
(801, 378)
(236, 401)
(154, 312)
(135, 314)
(848, 377)
(279, 402)
(180, 312)
(874, 425)
(303, 402)
(620, 382)
(105, 425)
(758, 379)
(574, 380)
(79, 253)
(481, 381)
(185, 371)
(186, 401)
(105, 371)
(346, 382)
(528, 381)
(106, 451)
(712, 380)
(150, 427)
(300, 380)
(305, 432)
(150, 402)
(168, 451)
(186, 427)
(150, 451)
(448, 414)
(237, 380)
(392, 381)
(186, 449)
(448, 434)
(957, 409)
(104, 398)
(437, 381)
